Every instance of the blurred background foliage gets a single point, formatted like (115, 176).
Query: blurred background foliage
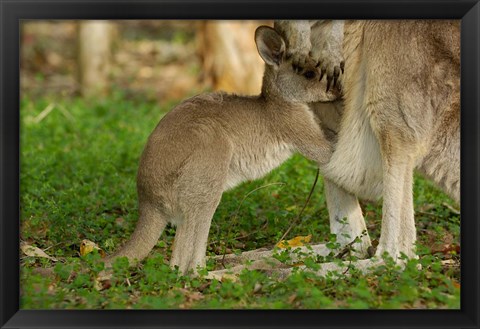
(155, 60)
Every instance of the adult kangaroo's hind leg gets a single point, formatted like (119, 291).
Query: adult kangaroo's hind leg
(398, 223)
(346, 219)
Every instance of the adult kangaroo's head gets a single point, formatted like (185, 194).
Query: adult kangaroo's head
(281, 80)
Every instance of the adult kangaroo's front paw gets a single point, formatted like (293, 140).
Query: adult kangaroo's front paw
(300, 59)
(330, 64)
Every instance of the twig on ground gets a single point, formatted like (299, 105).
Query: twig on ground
(44, 113)
(49, 109)
(455, 211)
(241, 237)
(295, 222)
(235, 215)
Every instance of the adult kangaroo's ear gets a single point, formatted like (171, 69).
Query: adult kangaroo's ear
(270, 45)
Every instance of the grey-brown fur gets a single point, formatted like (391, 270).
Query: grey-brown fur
(401, 111)
(212, 142)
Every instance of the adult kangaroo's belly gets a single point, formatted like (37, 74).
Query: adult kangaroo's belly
(356, 164)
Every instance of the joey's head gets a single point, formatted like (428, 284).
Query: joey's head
(280, 80)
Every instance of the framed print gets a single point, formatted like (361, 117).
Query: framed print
(239, 164)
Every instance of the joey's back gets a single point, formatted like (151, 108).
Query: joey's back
(254, 134)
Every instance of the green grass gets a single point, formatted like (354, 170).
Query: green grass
(78, 169)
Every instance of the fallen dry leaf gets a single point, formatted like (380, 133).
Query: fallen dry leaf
(229, 277)
(100, 285)
(297, 241)
(194, 296)
(32, 251)
(257, 287)
(103, 280)
(292, 298)
(452, 209)
(450, 263)
(447, 249)
(190, 297)
(87, 246)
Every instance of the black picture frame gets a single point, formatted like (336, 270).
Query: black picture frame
(12, 11)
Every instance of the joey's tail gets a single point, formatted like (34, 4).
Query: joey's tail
(150, 226)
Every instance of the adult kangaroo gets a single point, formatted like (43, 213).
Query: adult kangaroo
(401, 98)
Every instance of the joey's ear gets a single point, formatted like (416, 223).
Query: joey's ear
(270, 45)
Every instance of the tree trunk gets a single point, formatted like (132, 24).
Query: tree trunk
(229, 55)
(94, 54)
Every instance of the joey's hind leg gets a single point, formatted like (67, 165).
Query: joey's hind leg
(191, 237)
(200, 190)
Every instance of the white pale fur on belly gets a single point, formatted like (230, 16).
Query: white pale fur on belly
(253, 164)
(356, 163)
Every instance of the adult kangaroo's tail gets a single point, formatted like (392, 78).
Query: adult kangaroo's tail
(150, 226)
